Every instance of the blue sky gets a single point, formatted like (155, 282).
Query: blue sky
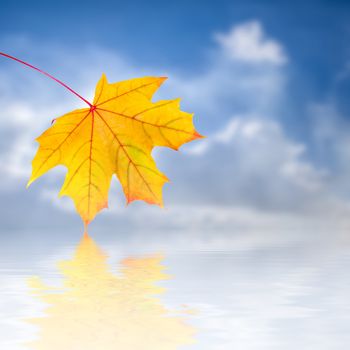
(267, 80)
(179, 33)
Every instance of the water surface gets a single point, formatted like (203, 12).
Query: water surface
(249, 290)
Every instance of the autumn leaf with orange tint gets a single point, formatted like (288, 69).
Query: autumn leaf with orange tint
(115, 135)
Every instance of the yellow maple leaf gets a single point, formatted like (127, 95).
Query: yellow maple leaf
(115, 135)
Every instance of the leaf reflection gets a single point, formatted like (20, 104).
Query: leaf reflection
(97, 309)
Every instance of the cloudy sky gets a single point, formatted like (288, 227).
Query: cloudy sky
(255, 225)
(267, 81)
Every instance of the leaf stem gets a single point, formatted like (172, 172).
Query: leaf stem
(48, 75)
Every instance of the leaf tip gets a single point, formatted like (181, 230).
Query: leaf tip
(177, 101)
(86, 226)
(30, 181)
(161, 80)
(197, 135)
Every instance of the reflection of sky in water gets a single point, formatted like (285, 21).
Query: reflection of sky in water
(243, 293)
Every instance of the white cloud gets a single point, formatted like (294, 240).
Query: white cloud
(13, 162)
(247, 42)
(252, 162)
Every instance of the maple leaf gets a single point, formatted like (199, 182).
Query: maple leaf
(115, 135)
